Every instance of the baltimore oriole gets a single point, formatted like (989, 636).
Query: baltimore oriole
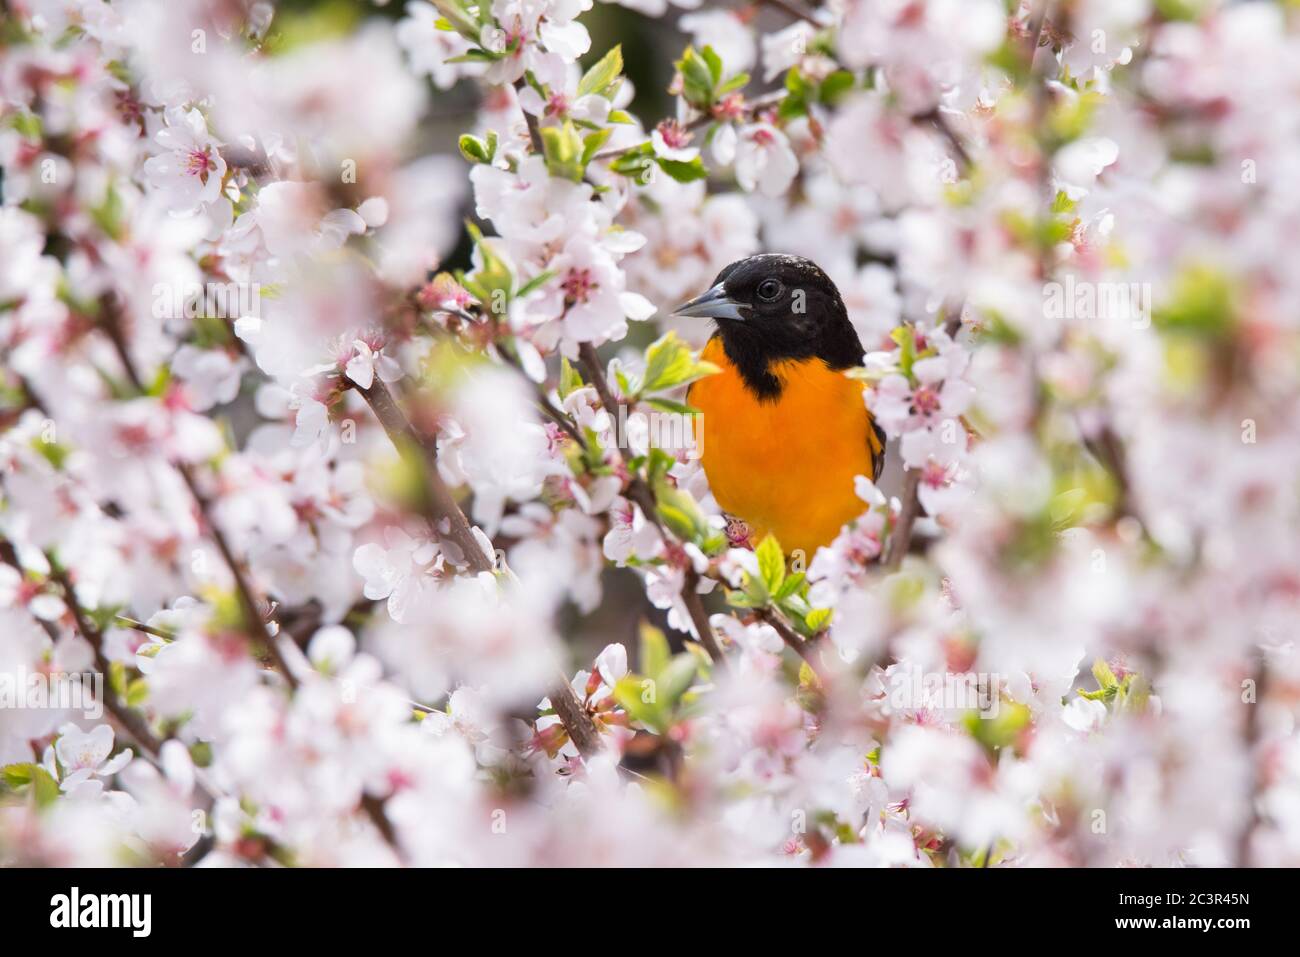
(784, 430)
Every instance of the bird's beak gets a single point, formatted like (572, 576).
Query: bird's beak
(714, 304)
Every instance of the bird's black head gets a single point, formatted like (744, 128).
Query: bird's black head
(771, 307)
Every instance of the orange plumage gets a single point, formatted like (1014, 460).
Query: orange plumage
(786, 465)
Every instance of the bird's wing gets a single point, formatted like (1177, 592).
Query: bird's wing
(877, 442)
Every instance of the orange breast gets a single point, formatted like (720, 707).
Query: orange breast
(785, 466)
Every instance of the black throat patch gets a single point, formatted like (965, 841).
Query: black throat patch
(753, 364)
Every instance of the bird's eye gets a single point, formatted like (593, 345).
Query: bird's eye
(769, 290)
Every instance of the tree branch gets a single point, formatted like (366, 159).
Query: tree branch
(254, 616)
(900, 541)
(1251, 735)
(127, 719)
(558, 416)
(641, 493)
(752, 108)
(252, 613)
(582, 730)
(793, 8)
(249, 604)
(936, 118)
(448, 521)
(801, 646)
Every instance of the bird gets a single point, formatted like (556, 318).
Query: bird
(784, 431)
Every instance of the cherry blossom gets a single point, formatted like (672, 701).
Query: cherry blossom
(391, 547)
(189, 169)
(83, 756)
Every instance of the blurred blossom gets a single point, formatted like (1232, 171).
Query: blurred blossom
(390, 566)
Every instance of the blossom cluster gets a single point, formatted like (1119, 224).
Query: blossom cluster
(322, 435)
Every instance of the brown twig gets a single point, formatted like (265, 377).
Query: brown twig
(796, 642)
(795, 9)
(900, 540)
(1251, 735)
(558, 416)
(936, 118)
(252, 161)
(254, 617)
(699, 616)
(444, 511)
(752, 108)
(140, 626)
(448, 521)
(130, 720)
(1109, 450)
(127, 719)
(248, 602)
(573, 715)
(641, 493)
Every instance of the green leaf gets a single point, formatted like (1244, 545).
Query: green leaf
(109, 215)
(563, 150)
(681, 171)
(660, 463)
(670, 363)
(535, 283)
(570, 380)
(681, 514)
(1067, 508)
(1105, 677)
(671, 405)
(457, 14)
(740, 599)
(1063, 204)
(637, 162)
(771, 563)
(1134, 693)
(1009, 59)
(714, 63)
(592, 143)
(492, 282)
(44, 788)
(603, 74)
(698, 82)
(53, 452)
(797, 96)
(906, 340)
(791, 108)
(835, 86)
(17, 775)
(137, 693)
(630, 693)
(788, 587)
(654, 650)
(1180, 9)
(817, 619)
(1001, 731)
(1204, 303)
(667, 362)
(678, 520)
(473, 149)
(675, 679)
(474, 56)
(704, 664)
(735, 83)
(28, 124)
